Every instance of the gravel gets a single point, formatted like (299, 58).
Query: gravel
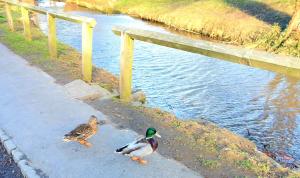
(8, 168)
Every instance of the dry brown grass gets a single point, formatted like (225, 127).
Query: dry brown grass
(239, 22)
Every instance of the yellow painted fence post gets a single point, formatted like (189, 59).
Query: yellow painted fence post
(26, 23)
(9, 17)
(52, 41)
(87, 48)
(126, 67)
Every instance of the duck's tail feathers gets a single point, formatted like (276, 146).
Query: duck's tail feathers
(121, 149)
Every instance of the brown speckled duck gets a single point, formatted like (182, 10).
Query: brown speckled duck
(83, 132)
(141, 147)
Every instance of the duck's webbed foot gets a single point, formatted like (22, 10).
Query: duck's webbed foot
(138, 159)
(85, 143)
(142, 161)
(135, 158)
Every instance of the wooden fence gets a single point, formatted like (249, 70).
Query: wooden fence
(254, 58)
(250, 57)
(87, 31)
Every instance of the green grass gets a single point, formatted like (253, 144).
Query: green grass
(239, 22)
(21, 45)
(261, 168)
(245, 164)
(209, 163)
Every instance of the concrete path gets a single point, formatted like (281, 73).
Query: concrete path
(37, 112)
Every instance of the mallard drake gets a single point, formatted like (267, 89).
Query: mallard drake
(83, 132)
(141, 147)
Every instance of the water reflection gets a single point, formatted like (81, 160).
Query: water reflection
(281, 110)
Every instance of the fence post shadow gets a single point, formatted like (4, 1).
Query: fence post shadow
(262, 12)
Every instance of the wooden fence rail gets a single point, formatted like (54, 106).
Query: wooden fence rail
(87, 31)
(254, 58)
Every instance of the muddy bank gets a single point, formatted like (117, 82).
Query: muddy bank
(202, 146)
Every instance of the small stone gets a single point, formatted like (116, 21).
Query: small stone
(139, 96)
(9, 146)
(136, 104)
(115, 92)
(17, 155)
(104, 94)
(27, 170)
(78, 89)
(3, 136)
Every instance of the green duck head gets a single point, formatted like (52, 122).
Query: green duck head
(151, 132)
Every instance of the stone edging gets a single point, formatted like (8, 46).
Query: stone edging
(20, 159)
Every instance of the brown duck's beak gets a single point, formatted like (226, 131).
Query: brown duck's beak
(157, 135)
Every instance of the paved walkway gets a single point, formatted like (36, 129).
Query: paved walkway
(36, 112)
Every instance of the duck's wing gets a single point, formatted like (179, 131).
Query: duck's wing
(142, 151)
(140, 139)
(80, 132)
(135, 145)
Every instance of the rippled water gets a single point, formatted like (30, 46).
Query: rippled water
(192, 86)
